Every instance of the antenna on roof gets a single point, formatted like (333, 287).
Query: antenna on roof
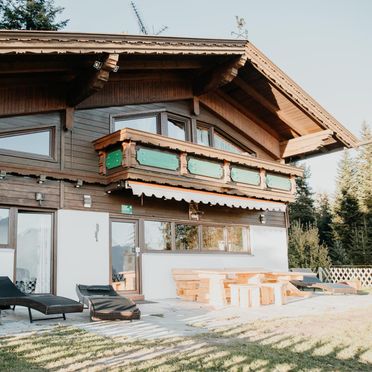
(141, 24)
(242, 32)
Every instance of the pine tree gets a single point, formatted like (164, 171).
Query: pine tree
(30, 15)
(302, 209)
(304, 248)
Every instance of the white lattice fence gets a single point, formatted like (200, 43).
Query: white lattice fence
(338, 274)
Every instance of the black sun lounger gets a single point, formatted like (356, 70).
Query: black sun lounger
(106, 304)
(47, 304)
(312, 282)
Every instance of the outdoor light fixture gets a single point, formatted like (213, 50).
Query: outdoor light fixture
(2, 174)
(39, 197)
(116, 69)
(97, 65)
(79, 183)
(41, 179)
(262, 218)
(87, 201)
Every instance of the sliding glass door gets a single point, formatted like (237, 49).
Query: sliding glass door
(34, 250)
(124, 266)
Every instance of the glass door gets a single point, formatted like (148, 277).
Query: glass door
(34, 251)
(124, 256)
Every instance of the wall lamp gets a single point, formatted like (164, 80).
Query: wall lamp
(79, 183)
(2, 174)
(39, 197)
(41, 179)
(87, 199)
(97, 65)
(262, 218)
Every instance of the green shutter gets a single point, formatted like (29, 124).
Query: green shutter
(113, 159)
(158, 159)
(245, 175)
(277, 181)
(204, 168)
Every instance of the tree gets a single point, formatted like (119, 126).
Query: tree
(302, 209)
(30, 15)
(304, 248)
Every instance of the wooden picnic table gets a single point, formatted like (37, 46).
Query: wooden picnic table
(213, 285)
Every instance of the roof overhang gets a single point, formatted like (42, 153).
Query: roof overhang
(204, 197)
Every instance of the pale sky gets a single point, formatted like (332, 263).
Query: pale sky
(325, 46)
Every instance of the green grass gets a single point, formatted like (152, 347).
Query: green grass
(339, 342)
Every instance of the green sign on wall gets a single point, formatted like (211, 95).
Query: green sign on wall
(204, 168)
(158, 159)
(277, 181)
(126, 209)
(113, 159)
(245, 175)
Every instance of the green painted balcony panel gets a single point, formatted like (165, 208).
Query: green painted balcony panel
(158, 158)
(245, 175)
(275, 181)
(113, 159)
(204, 168)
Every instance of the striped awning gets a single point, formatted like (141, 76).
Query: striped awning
(205, 197)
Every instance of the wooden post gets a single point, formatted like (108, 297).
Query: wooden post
(183, 164)
(262, 178)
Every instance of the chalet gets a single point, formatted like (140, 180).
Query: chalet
(122, 157)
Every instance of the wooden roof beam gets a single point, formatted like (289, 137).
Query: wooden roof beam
(86, 85)
(219, 76)
(256, 133)
(258, 97)
(307, 144)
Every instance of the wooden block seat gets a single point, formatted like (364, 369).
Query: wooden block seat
(245, 295)
(47, 304)
(105, 303)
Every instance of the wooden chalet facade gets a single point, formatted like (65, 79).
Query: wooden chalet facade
(122, 157)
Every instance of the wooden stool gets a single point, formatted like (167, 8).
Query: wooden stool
(245, 295)
(278, 292)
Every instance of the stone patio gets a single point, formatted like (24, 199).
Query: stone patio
(173, 317)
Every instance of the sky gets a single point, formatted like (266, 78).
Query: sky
(325, 46)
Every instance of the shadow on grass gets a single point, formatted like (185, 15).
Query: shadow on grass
(66, 348)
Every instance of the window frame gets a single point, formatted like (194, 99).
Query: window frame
(10, 242)
(200, 225)
(52, 129)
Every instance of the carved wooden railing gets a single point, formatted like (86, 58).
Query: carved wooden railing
(133, 154)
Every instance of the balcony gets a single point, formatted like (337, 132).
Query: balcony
(130, 154)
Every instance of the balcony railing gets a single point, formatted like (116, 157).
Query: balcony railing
(133, 154)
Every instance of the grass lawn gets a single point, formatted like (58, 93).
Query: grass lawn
(341, 342)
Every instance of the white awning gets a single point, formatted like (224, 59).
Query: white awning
(205, 197)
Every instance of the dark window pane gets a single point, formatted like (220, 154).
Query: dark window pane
(176, 129)
(34, 143)
(4, 226)
(202, 136)
(186, 237)
(213, 238)
(123, 256)
(158, 235)
(223, 144)
(237, 239)
(147, 124)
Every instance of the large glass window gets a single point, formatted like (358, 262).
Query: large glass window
(34, 250)
(35, 142)
(186, 237)
(213, 238)
(237, 239)
(4, 226)
(158, 235)
(146, 124)
(176, 129)
(223, 144)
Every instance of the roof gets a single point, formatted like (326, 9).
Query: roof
(277, 99)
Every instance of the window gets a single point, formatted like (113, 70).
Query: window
(223, 144)
(36, 142)
(146, 124)
(158, 235)
(176, 129)
(4, 226)
(186, 237)
(203, 136)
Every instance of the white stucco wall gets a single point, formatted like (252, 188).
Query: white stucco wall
(82, 250)
(7, 262)
(269, 251)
